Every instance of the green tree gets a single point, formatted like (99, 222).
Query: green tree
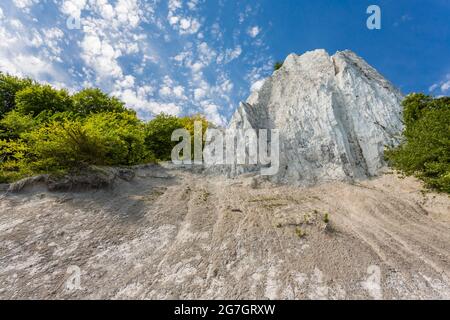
(122, 134)
(425, 152)
(42, 98)
(13, 160)
(100, 139)
(158, 134)
(93, 100)
(9, 86)
(14, 124)
(413, 106)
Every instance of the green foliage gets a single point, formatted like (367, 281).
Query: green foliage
(42, 98)
(326, 218)
(12, 156)
(425, 152)
(277, 65)
(158, 133)
(45, 130)
(9, 86)
(14, 124)
(189, 123)
(122, 135)
(413, 105)
(299, 232)
(100, 139)
(92, 100)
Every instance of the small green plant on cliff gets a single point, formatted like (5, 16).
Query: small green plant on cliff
(299, 232)
(277, 65)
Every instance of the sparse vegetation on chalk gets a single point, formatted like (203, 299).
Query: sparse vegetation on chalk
(277, 65)
(299, 232)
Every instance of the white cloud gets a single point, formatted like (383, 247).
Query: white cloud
(168, 90)
(212, 114)
(229, 55)
(189, 26)
(101, 56)
(199, 94)
(178, 91)
(196, 67)
(185, 23)
(445, 86)
(165, 91)
(123, 37)
(179, 20)
(27, 65)
(110, 32)
(26, 51)
(24, 4)
(73, 8)
(433, 87)
(127, 12)
(16, 24)
(226, 86)
(253, 31)
(174, 20)
(192, 4)
(138, 100)
(206, 53)
(127, 82)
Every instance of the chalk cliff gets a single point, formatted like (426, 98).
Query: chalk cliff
(335, 115)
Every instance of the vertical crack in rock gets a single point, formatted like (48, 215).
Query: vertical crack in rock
(353, 161)
(336, 68)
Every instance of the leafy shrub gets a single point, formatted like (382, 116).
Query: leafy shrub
(44, 130)
(158, 133)
(42, 98)
(100, 139)
(122, 134)
(12, 164)
(92, 100)
(189, 123)
(62, 145)
(14, 124)
(426, 149)
(9, 86)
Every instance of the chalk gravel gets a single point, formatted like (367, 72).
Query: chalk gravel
(172, 233)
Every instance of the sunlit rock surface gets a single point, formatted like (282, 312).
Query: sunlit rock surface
(335, 116)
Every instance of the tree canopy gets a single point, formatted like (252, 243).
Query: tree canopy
(48, 130)
(425, 151)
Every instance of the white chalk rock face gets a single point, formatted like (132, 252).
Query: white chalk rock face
(335, 115)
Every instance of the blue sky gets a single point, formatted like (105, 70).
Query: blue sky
(188, 56)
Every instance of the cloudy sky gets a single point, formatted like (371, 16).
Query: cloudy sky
(189, 56)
